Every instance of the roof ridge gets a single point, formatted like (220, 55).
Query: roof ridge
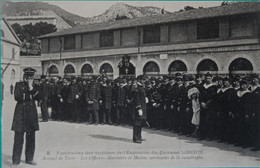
(160, 18)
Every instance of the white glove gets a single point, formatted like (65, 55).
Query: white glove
(77, 96)
(146, 100)
(49, 109)
(203, 105)
(100, 101)
(154, 104)
(140, 112)
(61, 100)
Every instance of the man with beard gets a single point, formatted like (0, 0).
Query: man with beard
(139, 103)
(25, 119)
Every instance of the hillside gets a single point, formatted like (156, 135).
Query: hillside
(37, 8)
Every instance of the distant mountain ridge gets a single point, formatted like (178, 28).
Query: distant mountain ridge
(115, 11)
(121, 9)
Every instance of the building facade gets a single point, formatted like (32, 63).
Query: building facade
(10, 57)
(221, 40)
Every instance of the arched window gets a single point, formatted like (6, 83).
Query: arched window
(69, 69)
(177, 66)
(86, 69)
(151, 68)
(53, 70)
(240, 65)
(207, 65)
(106, 68)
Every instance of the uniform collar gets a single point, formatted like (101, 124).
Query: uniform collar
(225, 89)
(253, 88)
(241, 93)
(206, 86)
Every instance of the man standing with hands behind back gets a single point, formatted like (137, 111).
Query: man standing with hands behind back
(25, 118)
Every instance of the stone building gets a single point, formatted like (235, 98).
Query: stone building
(10, 56)
(221, 40)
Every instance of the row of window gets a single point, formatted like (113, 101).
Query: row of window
(205, 29)
(240, 64)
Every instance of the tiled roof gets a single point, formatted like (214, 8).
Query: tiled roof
(231, 9)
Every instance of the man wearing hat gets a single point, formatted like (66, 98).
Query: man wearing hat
(74, 99)
(207, 104)
(92, 99)
(139, 112)
(243, 114)
(44, 94)
(176, 102)
(226, 111)
(25, 119)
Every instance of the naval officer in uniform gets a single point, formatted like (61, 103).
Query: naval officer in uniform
(25, 119)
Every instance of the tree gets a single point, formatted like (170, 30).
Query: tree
(28, 35)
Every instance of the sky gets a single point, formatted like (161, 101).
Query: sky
(94, 8)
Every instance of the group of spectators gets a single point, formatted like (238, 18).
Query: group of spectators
(226, 109)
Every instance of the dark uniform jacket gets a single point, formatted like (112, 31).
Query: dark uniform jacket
(106, 96)
(226, 101)
(74, 89)
(120, 96)
(243, 105)
(139, 100)
(93, 94)
(44, 91)
(25, 114)
(63, 92)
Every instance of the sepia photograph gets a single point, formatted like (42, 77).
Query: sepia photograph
(130, 84)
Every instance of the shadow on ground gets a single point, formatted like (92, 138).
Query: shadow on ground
(106, 137)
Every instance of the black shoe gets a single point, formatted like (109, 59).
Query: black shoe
(31, 163)
(137, 141)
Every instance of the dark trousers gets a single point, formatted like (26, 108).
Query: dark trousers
(137, 128)
(44, 110)
(94, 114)
(18, 146)
(74, 111)
(106, 116)
(121, 115)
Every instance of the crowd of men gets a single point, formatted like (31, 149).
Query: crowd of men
(226, 109)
